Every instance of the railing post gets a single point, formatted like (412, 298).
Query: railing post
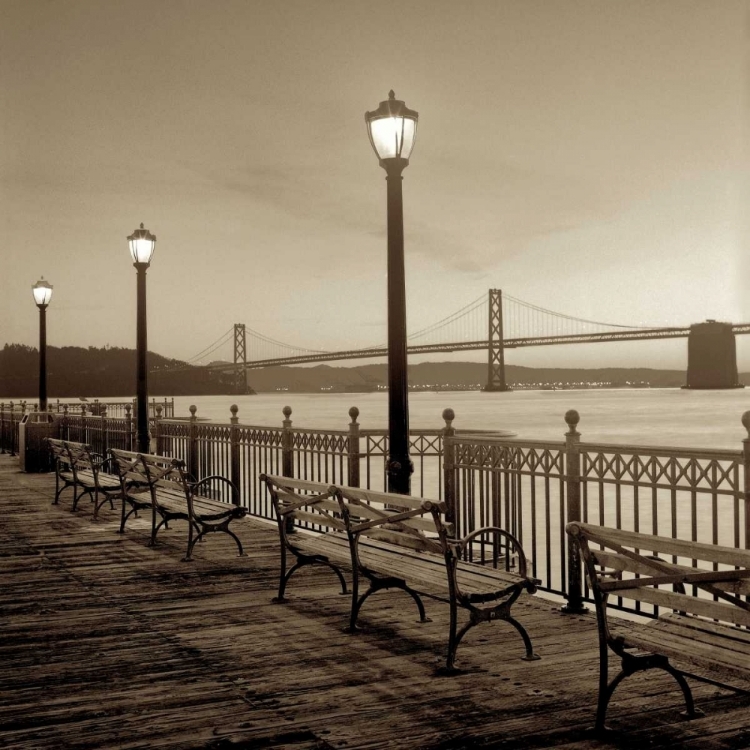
(573, 492)
(193, 443)
(105, 433)
(234, 454)
(12, 432)
(287, 450)
(449, 473)
(157, 432)
(353, 449)
(64, 424)
(746, 454)
(128, 426)
(2, 427)
(287, 456)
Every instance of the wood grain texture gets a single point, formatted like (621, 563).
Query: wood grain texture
(107, 643)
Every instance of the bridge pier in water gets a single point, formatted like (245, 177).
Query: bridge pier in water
(495, 344)
(712, 356)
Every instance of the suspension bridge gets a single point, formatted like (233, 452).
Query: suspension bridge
(493, 322)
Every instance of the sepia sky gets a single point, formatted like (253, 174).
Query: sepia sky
(588, 157)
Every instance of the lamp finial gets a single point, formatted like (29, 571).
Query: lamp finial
(391, 94)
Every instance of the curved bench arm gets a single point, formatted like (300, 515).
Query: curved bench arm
(195, 486)
(460, 545)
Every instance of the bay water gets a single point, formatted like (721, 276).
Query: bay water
(630, 416)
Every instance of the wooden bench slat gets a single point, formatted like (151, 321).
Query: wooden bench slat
(698, 629)
(689, 603)
(671, 641)
(318, 519)
(678, 547)
(616, 561)
(399, 542)
(172, 494)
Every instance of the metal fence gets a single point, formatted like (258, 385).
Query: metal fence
(530, 488)
(533, 488)
(242, 453)
(10, 417)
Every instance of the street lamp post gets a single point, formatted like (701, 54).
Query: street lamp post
(392, 128)
(141, 244)
(42, 295)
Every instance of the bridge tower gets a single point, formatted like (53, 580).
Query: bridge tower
(712, 356)
(495, 346)
(240, 356)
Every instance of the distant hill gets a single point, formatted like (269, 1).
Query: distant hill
(76, 371)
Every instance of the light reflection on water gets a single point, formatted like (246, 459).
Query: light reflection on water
(659, 416)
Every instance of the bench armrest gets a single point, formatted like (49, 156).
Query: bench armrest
(196, 487)
(460, 546)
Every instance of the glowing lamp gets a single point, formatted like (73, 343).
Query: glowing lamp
(42, 293)
(392, 128)
(142, 244)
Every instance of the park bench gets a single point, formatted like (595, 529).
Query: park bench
(161, 485)
(703, 626)
(77, 466)
(402, 542)
(311, 528)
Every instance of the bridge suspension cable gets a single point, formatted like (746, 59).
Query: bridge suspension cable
(223, 339)
(468, 326)
(570, 317)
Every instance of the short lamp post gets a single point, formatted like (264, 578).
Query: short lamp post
(141, 244)
(392, 128)
(42, 295)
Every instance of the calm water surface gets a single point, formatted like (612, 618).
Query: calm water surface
(664, 416)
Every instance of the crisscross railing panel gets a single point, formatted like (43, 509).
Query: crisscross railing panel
(426, 452)
(520, 488)
(174, 439)
(525, 487)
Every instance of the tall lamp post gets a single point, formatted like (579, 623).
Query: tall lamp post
(141, 244)
(392, 128)
(42, 295)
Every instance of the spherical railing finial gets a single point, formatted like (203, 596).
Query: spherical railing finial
(572, 418)
(354, 413)
(287, 411)
(158, 411)
(234, 409)
(193, 410)
(746, 422)
(448, 415)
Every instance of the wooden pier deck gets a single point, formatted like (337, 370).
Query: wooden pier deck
(107, 643)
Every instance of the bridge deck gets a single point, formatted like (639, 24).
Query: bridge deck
(106, 643)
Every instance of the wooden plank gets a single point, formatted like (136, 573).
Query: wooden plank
(668, 546)
(111, 644)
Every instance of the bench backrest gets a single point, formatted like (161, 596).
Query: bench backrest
(82, 457)
(78, 456)
(129, 468)
(156, 472)
(297, 502)
(707, 580)
(58, 450)
(412, 522)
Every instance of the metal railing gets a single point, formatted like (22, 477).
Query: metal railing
(10, 417)
(112, 408)
(533, 488)
(242, 453)
(530, 488)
